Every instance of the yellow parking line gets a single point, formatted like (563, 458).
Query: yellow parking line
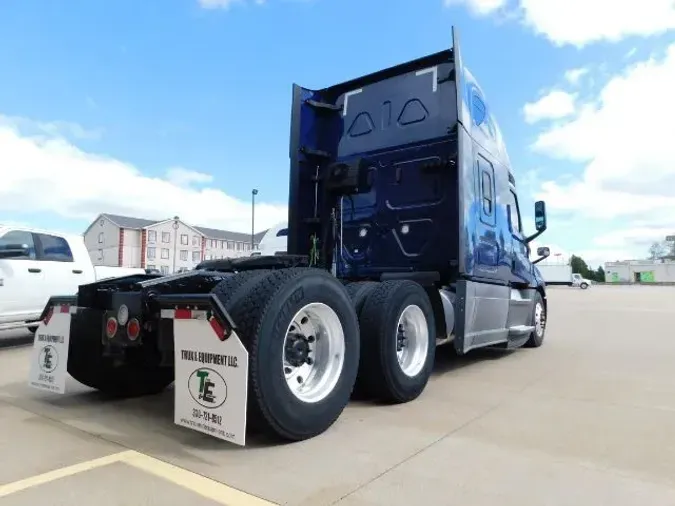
(194, 482)
(64, 472)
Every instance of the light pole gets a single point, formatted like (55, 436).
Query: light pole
(175, 237)
(254, 192)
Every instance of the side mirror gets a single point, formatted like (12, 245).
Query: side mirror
(14, 251)
(540, 215)
(543, 252)
(539, 220)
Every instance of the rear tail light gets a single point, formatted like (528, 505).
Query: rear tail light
(133, 329)
(111, 327)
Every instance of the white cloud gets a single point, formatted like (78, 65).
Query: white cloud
(573, 76)
(480, 7)
(48, 173)
(624, 139)
(555, 105)
(54, 128)
(580, 22)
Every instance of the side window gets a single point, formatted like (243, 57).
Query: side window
(282, 233)
(55, 249)
(514, 212)
(19, 238)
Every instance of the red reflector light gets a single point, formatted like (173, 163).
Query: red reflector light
(217, 328)
(133, 329)
(48, 316)
(111, 327)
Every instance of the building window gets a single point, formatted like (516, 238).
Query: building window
(165, 253)
(222, 244)
(239, 246)
(151, 252)
(164, 269)
(195, 240)
(196, 255)
(150, 266)
(100, 237)
(183, 254)
(166, 237)
(247, 246)
(230, 245)
(184, 239)
(152, 236)
(214, 243)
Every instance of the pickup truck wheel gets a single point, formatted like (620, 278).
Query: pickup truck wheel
(139, 375)
(302, 336)
(398, 341)
(538, 322)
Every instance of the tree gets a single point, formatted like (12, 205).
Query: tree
(580, 266)
(658, 250)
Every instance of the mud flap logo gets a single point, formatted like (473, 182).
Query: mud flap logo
(208, 388)
(48, 359)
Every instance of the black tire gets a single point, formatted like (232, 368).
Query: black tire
(230, 290)
(380, 374)
(262, 316)
(537, 336)
(359, 291)
(583, 286)
(139, 375)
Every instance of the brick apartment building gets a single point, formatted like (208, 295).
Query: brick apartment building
(169, 245)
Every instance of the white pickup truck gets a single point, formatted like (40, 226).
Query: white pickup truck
(37, 264)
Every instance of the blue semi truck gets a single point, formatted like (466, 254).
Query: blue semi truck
(404, 232)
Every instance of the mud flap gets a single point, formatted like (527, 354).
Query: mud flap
(49, 359)
(211, 372)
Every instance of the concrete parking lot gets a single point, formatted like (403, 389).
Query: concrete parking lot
(588, 419)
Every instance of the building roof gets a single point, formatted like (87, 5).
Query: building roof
(129, 222)
(209, 233)
(225, 235)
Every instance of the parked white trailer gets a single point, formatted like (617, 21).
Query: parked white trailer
(561, 274)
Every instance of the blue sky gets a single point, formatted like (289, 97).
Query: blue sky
(127, 100)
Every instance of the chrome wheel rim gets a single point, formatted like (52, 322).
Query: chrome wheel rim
(412, 340)
(313, 352)
(539, 319)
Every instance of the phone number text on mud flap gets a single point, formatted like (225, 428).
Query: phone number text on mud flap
(207, 417)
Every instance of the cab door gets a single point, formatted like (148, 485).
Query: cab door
(21, 279)
(62, 274)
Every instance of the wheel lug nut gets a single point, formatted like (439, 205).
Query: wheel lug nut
(287, 370)
(309, 361)
(299, 379)
(311, 339)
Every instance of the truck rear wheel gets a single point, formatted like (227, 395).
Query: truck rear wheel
(302, 336)
(139, 375)
(398, 341)
(359, 291)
